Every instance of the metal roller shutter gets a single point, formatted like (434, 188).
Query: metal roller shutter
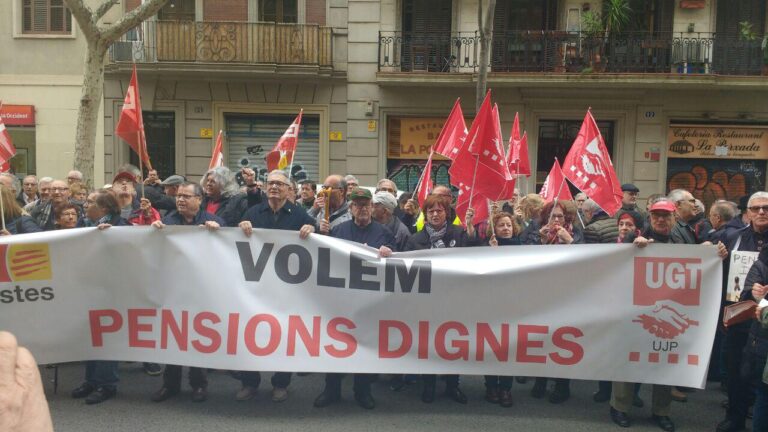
(251, 136)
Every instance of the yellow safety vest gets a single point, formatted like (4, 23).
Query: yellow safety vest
(420, 221)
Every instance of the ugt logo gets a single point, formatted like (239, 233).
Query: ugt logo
(25, 262)
(673, 279)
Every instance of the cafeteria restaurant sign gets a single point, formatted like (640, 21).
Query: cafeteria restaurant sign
(717, 142)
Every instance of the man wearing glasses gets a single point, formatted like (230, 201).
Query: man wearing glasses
(281, 214)
(334, 190)
(692, 226)
(751, 238)
(188, 212)
(43, 212)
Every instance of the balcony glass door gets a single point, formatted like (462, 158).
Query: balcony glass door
(518, 40)
(426, 37)
(734, 53)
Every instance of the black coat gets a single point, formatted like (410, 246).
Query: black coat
(231, 208)
(455, 236)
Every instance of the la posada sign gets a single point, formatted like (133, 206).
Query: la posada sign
(717, 142)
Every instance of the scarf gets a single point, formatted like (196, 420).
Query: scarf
(552, 237)
(436, 236)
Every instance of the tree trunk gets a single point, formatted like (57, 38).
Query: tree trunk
(88, 112)
(485, 27)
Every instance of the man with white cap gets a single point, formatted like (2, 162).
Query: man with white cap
(384, 205)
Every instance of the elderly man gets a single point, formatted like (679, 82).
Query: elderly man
(659, 231)
(361, 229)
(722, 215)
(384, 205)
(74, 176)
(43, 210)
(167, 201)
(692, 227)
(276, 213)
(137, 212)
(387, 185)
(222, 196)
(11, 182)
(28, 192)
(751, 238)
(188, 212)
(600, 227)
(307, 194)
(352, 183)
(337, 204)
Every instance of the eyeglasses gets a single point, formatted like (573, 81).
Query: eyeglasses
(756, 209)
(276, 184)
(59, 189)
(185, 196)
(69, 214)
(435, 211)
(692, 200)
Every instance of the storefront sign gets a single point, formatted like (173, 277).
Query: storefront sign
(717, 142)
(417, 136)
(18, 115)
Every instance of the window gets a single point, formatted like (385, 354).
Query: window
(282, 11)
(177, 10)
(46, 17)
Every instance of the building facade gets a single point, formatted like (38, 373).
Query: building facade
(678, 88)
(41, 75)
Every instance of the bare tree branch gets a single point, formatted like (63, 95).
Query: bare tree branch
(84, 17)
(132, 19)
(104, 8)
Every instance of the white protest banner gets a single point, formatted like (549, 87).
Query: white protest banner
(184, 295)
(741, 262)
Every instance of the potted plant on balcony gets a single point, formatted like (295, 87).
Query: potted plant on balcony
(600, 27)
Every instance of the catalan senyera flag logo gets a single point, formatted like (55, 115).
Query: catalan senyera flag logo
(25, 262)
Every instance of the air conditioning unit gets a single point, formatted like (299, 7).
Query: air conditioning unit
(128, 51)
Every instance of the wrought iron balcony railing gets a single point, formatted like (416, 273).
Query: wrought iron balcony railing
(561, 52)
(225, 42)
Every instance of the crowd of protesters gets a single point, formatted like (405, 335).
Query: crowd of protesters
(392, 222)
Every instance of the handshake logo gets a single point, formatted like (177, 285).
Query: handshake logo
(666, 280)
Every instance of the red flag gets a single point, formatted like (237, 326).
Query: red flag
(281, 156)
(479, 203)
(555, 185)
(130, 126)
(217, 157)
(425, 185)
(517, 156)
(7, 150)
(481, 163)
(508, 191)
(453, 134)
(588, 166)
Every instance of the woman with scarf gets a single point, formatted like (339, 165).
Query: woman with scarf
(438, 234)
(554, 227)
(103, 211)
(505, 232)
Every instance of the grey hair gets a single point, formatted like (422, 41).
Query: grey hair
(757, 195)
(196, 188)
(280, 173)
(224, 178)
(129, 168)
(349, 178)
(378, 184)
(676, 195)
(700, 206)
(580, 195)
(45, 180)
(15, 182)
(725, 209)
(590, 206)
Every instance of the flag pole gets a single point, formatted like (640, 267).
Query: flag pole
(557, 197)
(474, 177)
(141, 160)
(2, 211)
(423, 171)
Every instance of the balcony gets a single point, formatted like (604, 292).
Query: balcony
(235, 47)
(569, 56)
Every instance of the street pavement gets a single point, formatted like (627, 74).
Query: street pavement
(133, 411)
